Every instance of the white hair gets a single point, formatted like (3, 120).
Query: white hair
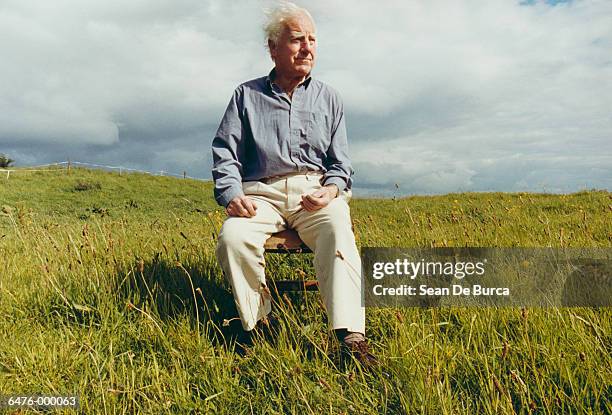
(276, 18)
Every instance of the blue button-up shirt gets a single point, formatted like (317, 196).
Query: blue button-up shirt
(265, 133)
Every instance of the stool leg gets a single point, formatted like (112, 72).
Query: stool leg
(291, 285)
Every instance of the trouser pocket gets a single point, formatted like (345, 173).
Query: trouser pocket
(251, 187)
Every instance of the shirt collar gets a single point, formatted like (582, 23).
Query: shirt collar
(272, 75)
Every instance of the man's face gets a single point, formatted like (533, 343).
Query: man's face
(294, 53)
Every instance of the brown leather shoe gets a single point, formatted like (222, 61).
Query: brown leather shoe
(264, 330)
(355, 344)
(360, 351)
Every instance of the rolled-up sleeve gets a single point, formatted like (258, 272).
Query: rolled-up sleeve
(228, 150)
(338, 165)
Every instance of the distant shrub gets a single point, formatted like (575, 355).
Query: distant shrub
(82, 186)
(5, 161)
(102, 211)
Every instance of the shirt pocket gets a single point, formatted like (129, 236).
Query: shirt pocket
(315, 133)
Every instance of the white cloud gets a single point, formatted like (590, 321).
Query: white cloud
(75, 71)
(463, 95)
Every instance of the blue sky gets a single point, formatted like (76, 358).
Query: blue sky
(440, 96)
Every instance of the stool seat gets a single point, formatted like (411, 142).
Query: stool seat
(289, 242)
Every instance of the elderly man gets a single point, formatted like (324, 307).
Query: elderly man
(280, 160)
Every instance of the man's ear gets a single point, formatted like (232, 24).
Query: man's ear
(272, 48)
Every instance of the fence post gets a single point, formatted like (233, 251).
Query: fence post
(68, 171)
(184, 174)
(8, 173)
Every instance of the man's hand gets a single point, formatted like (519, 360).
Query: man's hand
(320, 198)
(241, 206)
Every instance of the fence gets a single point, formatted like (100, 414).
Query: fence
(69, 164)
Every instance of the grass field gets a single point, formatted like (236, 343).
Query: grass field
(109, 289)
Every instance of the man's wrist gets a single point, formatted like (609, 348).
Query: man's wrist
(224, 198)
(334, 190)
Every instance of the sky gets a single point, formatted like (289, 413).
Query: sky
(440, 96)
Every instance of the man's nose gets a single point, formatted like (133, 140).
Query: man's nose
(307, 47)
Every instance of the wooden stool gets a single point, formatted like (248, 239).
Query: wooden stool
(289, 242)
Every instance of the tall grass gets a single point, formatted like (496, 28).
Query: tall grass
(109, 289)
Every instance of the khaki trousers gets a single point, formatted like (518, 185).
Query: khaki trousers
(325, 231)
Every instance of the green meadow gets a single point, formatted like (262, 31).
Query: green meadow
(110, 290)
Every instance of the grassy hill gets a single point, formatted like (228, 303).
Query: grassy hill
(109, 289)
